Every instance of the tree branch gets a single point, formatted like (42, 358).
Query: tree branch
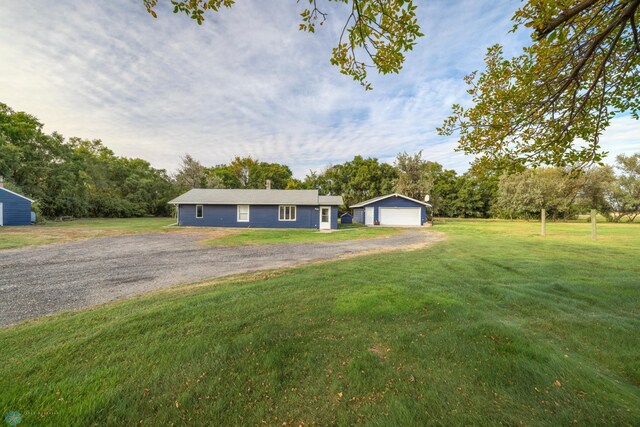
(635, 32)
(626, 14)
(564, 17)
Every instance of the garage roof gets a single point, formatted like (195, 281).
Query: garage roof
(377, 199)
(16, 194)
(201, 196)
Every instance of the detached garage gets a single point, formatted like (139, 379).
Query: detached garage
(392, 209)
(15, 209)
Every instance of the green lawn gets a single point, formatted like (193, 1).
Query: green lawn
(495, 325)
(130, 224)
(66, 231)
(61, 232)
(271, 236)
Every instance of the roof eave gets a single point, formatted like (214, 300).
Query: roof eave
(377, 199)
(249, 203)
(16, 194)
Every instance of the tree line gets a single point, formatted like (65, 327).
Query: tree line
(478, 193)
(614, 191)
(83, 178)
(76, 177)
(466, 195)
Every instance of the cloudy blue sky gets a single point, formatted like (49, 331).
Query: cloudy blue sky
(247, 82)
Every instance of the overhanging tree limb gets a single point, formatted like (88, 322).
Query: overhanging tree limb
(381, 31)
(563, 17)
(550, 104)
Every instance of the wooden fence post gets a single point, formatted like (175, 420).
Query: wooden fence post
(593, 225)
(543, 224)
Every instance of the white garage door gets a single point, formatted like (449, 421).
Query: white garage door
(400, 216)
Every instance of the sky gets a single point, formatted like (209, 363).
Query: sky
(246, 82)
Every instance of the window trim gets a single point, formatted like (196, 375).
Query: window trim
(295, 213)
(201, 211)
(238, 213)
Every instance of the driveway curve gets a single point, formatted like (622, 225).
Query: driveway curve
(43, 280)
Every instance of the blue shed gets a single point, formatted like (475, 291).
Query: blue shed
(392, 209)
(15, 209)
(346, 218)
(257, 208)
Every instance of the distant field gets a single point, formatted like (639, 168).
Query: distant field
(602, 218)
(494, 326)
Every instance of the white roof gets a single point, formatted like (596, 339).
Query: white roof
(201, 196)
(376, 199)
(16, 194)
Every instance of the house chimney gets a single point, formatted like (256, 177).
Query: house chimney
(1, 182)
(268, 184)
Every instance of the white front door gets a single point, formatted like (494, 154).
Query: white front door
(1, 216)
(368, 216)
(325, 218)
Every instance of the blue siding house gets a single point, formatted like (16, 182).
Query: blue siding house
(392, 209)
(257, 209)
(15, 209)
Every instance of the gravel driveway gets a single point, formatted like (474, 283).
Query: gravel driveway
(47, 279)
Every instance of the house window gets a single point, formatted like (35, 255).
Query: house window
(199, 211)
(243, 213)
(287, 213)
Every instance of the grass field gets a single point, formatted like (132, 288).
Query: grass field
(59, 232)
(495, 325)
(271, 236)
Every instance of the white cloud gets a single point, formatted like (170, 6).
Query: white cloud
(247, 82)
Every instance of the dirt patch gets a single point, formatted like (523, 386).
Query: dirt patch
(204, 234)
(380, 351)
(63, 235)
(39, 235)
(433, 238)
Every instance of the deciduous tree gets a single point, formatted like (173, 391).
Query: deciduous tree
(525, 194)
(551, 104)
(190, 174)
(415, 175)
(76, 177)
(247, 172)
(356, 180)
(625, 196)
(598, 183)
